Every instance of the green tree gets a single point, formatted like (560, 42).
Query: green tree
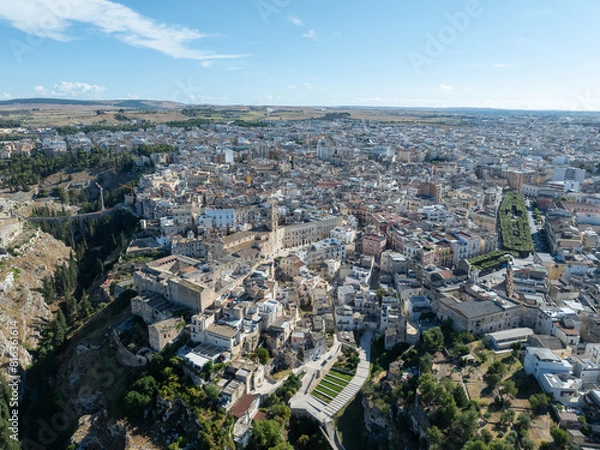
(85, 307)
(500, 445)
(497, 367)
(136, 403)
(475, 445)
(523, 423)
(435, 437)
(281, 413)
(429, 389)
(59, 329)
(433, 340)
(486, 435)
(527, 444)
(262, 354)
(265, 435)
(540, 403)
(466, 424)
(560, 437)
(460, 396)
(509, 388)
(70, 306)
(494, 380)
(507, 417)
(48, 289)
(146, 385)
(212, 394)
(426, 363)
(303, 441)
(459, 350)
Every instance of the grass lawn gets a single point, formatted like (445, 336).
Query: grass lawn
(333, 379)
(327, 391)
(333, 387)
(350, 423)
(338, 374)
(320, 396)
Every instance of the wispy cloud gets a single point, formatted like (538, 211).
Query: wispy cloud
(310, 87)
(445, 87)
(312, 34)
(369, 100)
(5, 95)
(70, 89)
(295, 20)
(52, 19)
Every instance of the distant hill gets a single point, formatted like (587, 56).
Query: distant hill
(128, 104)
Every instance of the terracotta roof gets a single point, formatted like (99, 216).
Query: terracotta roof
(260, 416)
(241, 406)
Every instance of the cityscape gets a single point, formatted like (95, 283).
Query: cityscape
(189, 270)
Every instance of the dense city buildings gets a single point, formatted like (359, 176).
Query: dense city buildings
(280, 236)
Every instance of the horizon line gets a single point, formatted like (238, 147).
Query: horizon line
(183, 105)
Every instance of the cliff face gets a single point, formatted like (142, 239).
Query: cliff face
(23, 312)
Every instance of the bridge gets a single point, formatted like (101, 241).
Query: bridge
(80, 219)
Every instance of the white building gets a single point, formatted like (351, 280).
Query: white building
(330, 248)
(542, 360)
(218, 218)
(563, 323)
(568, 174)
(343, 234)
(560, 386)
(503, 340)
(585, 369)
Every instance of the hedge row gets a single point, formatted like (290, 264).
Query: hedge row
(514, 225)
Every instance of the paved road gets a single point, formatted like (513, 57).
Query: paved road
(324, 412)
(310, 368)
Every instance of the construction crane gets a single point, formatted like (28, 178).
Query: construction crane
(101, 196)
(130, 187)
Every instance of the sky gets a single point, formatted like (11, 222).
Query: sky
(512, 54)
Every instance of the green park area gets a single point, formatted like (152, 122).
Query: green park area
(514, 225)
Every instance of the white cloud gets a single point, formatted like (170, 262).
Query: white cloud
(292, 86)
(52, 19)
(445, 87)
(5, 95)
(312, 34)
(70, 89)
(310, 86)
(369, 100)
(295, 20)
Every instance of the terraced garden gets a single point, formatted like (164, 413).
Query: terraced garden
(493, 260)
(331, 385)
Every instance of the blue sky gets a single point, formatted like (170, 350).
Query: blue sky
(538, 54)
